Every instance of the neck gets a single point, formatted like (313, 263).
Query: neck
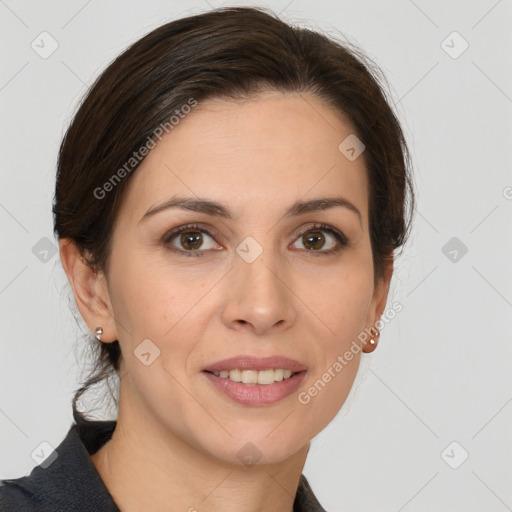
(146, 467)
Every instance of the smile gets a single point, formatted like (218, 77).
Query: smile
(263, 377)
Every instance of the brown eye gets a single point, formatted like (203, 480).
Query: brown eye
(313, 240)
(322, 240)
(191, 240)
(188, 240)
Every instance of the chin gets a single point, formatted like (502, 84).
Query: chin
(252, 446)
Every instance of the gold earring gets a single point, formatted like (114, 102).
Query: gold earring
(372, 343)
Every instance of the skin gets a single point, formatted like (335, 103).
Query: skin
(177, 437)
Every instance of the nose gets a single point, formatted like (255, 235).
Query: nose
(259, 297)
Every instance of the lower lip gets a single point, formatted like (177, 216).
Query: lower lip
(256, 394)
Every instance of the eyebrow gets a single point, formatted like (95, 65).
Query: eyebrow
(219, 210)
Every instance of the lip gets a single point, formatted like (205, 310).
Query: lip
(245, 362)
(256, 394)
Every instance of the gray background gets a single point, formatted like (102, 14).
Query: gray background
(441, 371)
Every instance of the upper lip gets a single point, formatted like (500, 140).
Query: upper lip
(245, 362)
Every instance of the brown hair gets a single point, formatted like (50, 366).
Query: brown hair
(231, 53)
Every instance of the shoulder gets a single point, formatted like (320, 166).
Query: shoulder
(66, 480)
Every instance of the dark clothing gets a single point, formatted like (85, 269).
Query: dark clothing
(71, 482)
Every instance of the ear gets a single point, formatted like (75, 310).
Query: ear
(378, 303)
(90, 290)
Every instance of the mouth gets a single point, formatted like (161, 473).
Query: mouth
(255, 381)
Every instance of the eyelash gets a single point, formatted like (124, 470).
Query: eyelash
(338, 235)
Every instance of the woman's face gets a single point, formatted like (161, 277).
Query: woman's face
(255, 277)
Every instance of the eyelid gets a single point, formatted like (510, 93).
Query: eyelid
(210, 231)
(324, 227)
(341, 238)
(216, 235)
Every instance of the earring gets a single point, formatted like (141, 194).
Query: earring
(372, 342)
(98, 331)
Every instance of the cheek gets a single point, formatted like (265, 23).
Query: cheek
(342, 304)
(320, 400)
(340, 296)
(154, 301)
(149, 296)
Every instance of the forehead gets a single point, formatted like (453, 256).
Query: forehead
(270, 149)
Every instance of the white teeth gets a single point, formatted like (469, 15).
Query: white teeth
(266, 377)
(250, 376)
(263, 377)
(235, 375)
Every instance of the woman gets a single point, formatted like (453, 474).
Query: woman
(229, 199)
